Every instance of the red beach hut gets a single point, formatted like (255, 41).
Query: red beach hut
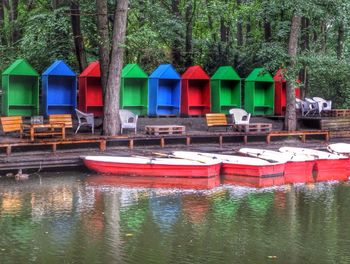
(280, 93)
(195, 92)
(90, 90)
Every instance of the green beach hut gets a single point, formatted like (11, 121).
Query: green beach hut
(134, 89)
(259, 93)
(20, 85)
(225, 90)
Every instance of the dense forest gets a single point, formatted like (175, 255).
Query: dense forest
(243, 33)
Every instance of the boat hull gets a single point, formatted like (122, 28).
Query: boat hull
(253, 176)
(332, 170)
(154, 170)
(299, 171)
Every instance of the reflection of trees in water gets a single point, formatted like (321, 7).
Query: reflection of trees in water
(133, 216)
(260, 202)
(165, 210)
(224, 206)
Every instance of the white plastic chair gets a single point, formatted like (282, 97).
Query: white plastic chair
(239, 116)
(323, 104)
(128, 120)
(85, 119)
(310, 107)
(298, 104)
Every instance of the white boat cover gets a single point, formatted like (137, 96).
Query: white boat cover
(339, 148)
(317, 154)
(275, 155)
(224, 158)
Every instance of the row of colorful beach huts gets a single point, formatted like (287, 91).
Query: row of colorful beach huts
(164, 92)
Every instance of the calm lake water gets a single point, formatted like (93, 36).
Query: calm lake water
(71, 218)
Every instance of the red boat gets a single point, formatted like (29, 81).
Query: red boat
(246, 171)
(299, 168)
(328, 166)
(155, 167)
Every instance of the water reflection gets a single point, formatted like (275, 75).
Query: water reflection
(69, 218)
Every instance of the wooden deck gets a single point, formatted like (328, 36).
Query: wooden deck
(9, 144)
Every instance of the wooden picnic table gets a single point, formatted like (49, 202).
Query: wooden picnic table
(35, 130)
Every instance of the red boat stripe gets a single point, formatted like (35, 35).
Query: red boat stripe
(157, 177)
(262, 176)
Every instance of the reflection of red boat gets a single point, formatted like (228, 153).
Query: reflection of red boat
(158, 167)
(155, 182)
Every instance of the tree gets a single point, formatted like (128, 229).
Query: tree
(290, 121)
(78, 39)
(112, 69)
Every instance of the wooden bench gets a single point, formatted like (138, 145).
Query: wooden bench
(65, 119)
(303, 134)
(217, 120)
(12, 124)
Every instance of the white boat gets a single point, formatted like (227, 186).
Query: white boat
(329, 166)
(298, 168)
(246, 171)
(339, 148)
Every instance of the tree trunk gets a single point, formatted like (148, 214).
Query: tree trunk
(104, 43)
(305, 45)
(2, 23)
(176, 45)
(290, 119)
(248, 30)
(239, 34)
(267, 30)
(210, 23)
(78, 39)
(189, 28)
(340, 40)
(224, 45)
(13, 21)
(111, 122)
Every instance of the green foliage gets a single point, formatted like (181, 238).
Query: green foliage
(157, 30)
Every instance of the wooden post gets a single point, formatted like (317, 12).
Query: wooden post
(54, 148)
(103, 145)
(303, 138)
(220, 141)
(162, 142)
(188, 141)
(63, 131)
(31, 133)
(327, 136)
(8, 150)
(245, 138)
(268, 139)
(131, 143)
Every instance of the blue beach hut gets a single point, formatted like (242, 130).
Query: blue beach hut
(164, 88)
(59, 89)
